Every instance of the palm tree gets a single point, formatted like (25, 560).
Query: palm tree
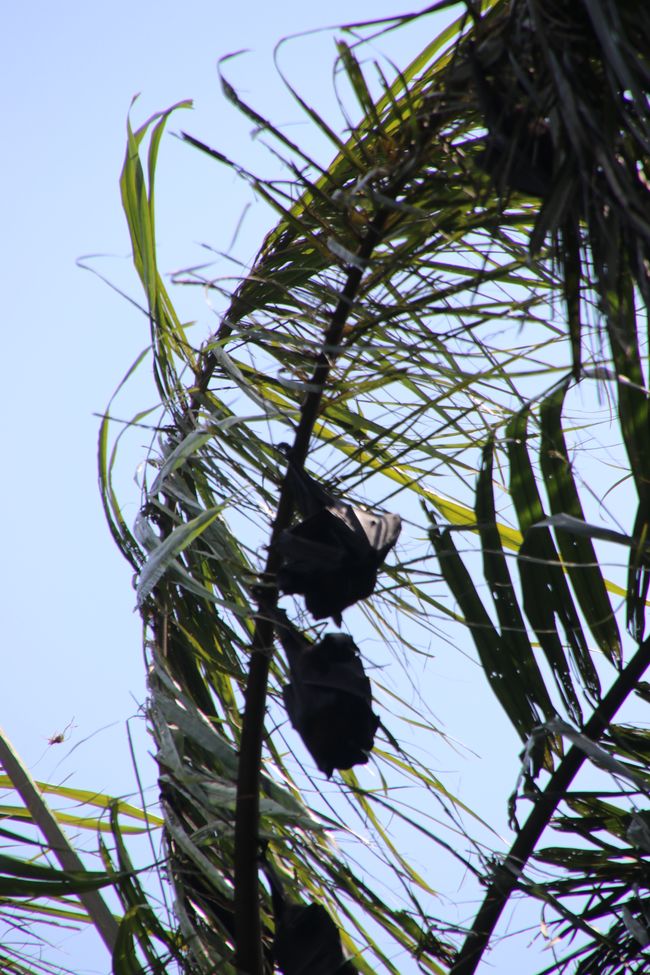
(434, 301)
(429, 329)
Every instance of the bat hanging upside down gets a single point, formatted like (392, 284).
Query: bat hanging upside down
(307, 941)
(333, 555)
(329, 698)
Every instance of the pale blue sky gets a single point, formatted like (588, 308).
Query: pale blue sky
(71, 637)
(72, 70)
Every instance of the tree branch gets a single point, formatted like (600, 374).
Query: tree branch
(507, 874)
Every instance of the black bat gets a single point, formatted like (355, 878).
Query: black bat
(307, 941)
(519, 150)
(333, 555)
(329, 698)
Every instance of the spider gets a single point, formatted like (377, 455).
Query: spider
(59, 738)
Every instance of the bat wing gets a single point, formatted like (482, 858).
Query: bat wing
(334, 662)
(343, 678)
(337, 728)
(366, 536)
(320, 562)
(307, 555)
(292, 704)
(306, 941)
(332, 556)
(309, 494)
(381, 531)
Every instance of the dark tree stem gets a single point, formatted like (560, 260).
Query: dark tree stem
(506, 875)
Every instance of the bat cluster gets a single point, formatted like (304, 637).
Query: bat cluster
(331, 557)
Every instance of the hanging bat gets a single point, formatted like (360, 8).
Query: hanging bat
(519, 151)
(329, 698)
(333, 555)
(307, 941)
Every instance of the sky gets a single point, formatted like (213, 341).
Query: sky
(72, 657)
(70, 627)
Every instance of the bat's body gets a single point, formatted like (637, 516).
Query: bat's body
(329, 699)
(519, 152)
(307, 941)
(332, 557)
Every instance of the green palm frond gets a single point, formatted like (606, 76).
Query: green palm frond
(44, 879)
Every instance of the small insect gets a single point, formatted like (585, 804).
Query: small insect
(59, 738)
